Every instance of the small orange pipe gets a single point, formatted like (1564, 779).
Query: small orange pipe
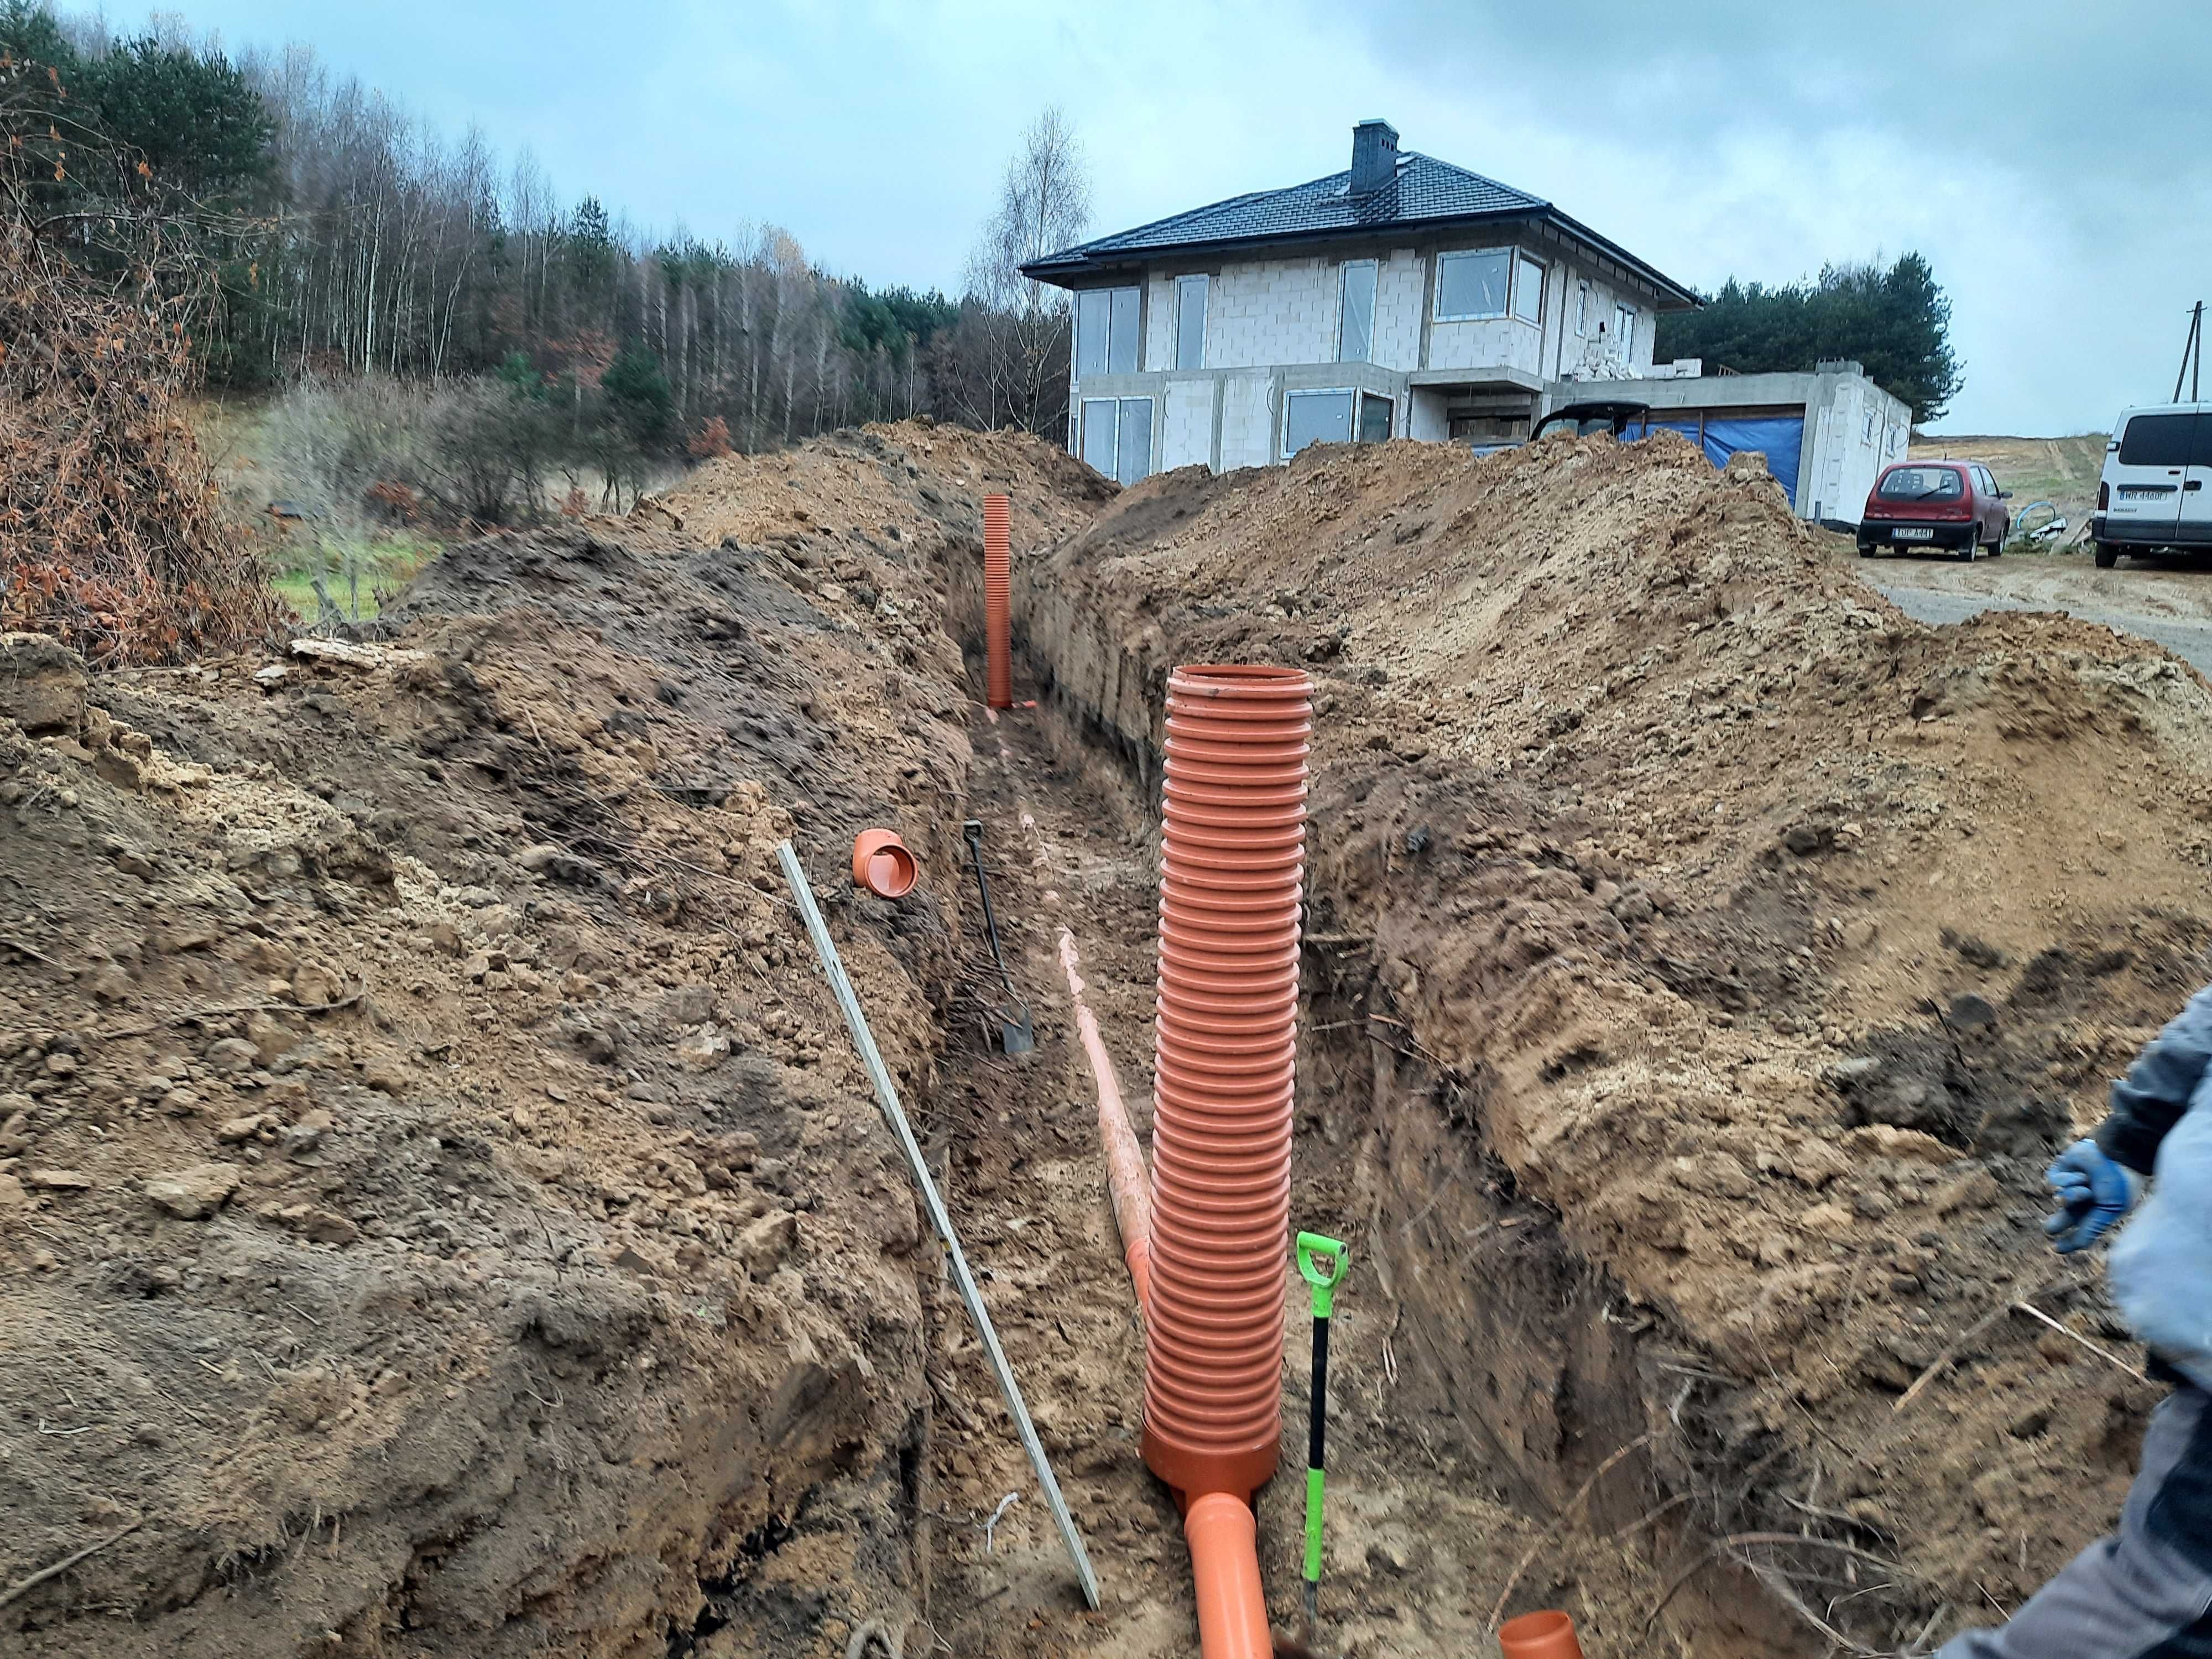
(881, 863)
(998, 584)
(1538, 1636)
(1225, 1569)
(1126, 1180)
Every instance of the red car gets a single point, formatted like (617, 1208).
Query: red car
(1953, 505)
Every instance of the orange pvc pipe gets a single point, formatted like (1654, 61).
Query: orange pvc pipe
(881, 863)
(1126, 1181)
(1232, 869)
(1224, 1567)
(998, 583)
(1538, 1636)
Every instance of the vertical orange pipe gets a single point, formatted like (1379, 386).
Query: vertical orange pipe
(998, 579)
(1232, 872)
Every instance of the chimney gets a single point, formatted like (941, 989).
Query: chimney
(1374, 156)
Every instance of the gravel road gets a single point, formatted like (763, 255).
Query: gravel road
(2170, 605)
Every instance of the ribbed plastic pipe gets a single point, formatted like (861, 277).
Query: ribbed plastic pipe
(1232, 867)
(998, 581)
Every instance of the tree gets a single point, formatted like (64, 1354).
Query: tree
(1010, 349)
(194, 116)
(1897, 322)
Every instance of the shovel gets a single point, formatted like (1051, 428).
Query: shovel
(1320, 1264)
(1015, 1034)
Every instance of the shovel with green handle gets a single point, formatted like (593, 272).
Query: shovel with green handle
(1320, 1264)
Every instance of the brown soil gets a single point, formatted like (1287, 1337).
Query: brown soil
(438, 1201)
(1762, 941)
(441, 1208)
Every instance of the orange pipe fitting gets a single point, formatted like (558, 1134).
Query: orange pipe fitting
(1538, 1636)
(1232, 866)
(882, 865)
(998, 584)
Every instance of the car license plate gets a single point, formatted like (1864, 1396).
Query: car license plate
(1915, 534)
(2144, 492)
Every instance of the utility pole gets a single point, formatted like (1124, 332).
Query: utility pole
(2192, 354)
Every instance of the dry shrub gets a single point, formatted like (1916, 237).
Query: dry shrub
(110, 536)
(712, 441)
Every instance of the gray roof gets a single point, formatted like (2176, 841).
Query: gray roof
(1426, 194)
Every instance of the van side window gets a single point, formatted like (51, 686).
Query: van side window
(2157, 440)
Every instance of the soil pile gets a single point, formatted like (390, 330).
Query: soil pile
(1732, 952)
(439, 1210)
(881, 487)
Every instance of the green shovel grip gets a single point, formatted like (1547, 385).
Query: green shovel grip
(1320, 1264)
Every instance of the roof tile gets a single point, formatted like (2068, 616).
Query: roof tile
(1425, 189)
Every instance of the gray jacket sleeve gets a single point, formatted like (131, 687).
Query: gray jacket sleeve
(2151, 1098)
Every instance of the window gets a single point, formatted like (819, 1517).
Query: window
(1134, 458)
(1472, 284)
(1624, 331)
(1528, 289)
(1190, 322)
(1375, 411)
(1921, 484)
(2157, 440)
(1315, 418)
(1106, 331)
(1117, 437)
(1325, 417)
(1582, 308)
(1355, 335)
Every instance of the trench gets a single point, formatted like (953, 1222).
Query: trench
(1491, 1390)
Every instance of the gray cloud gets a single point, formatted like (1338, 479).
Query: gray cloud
(2049, 158)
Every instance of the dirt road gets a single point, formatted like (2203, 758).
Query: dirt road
(2169, 604)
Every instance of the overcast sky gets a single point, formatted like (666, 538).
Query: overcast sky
(2049, 157)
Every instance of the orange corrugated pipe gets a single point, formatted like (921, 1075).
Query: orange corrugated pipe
(998, 581)
(1231, 869)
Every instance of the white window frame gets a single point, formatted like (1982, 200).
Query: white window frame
(1349, 394)
(1582, 309)
(1359, 410)
(1522, 258)
(1151, 433)
(1183, 289)
(1137, 359)
(1374, 301)
(1623, 331)
(1443, 316)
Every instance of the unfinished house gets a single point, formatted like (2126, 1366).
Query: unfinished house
(1404, 297)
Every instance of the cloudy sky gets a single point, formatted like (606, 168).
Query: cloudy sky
(2049, 157)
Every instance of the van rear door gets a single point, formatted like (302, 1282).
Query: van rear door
(2149, 463)
(2194, 527)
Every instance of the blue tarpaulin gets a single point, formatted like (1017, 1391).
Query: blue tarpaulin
(1780, 437)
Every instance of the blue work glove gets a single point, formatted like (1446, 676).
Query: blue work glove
(2093, 1194)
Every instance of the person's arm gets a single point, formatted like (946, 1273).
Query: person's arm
(2157, 1089)
(2098, 1181)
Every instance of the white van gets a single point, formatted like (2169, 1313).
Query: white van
(2155, 490)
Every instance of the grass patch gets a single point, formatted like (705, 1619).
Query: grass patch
(361, 573)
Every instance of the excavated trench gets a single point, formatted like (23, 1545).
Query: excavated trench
(1514, 1362)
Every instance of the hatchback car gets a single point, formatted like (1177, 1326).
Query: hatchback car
(1953, 505)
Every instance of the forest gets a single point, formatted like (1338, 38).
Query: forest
(335, 235)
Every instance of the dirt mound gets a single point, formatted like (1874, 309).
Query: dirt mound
(439, 1207)
(1756, 942)
(882, 488)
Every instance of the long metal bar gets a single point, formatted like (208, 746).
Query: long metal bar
(802, 894)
